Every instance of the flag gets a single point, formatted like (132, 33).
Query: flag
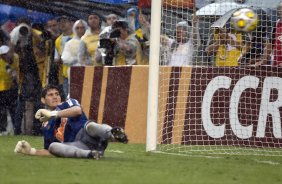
(144, 4)
(179, 3)
(170, 3)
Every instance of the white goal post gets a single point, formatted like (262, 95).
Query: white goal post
(227, 96)
(152, 113)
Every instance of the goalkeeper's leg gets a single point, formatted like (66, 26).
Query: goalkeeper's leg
(106, 132)
(98, 130)
(73, 150)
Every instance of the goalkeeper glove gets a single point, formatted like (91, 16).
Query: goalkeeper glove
(44, 115)
(25, 148)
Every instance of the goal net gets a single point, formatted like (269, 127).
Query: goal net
(219, 91)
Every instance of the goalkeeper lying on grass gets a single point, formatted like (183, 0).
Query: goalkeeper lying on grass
(67, 132)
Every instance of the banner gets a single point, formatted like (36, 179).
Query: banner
(197, 105)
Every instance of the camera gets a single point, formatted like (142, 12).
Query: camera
(107, 46)
(21, 36)
(24, 30)
(115, 33)
(107, 50)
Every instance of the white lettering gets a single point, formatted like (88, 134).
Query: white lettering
(216, 83)
(243, 84)
(268, 107)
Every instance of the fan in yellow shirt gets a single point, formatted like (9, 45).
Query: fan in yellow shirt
(9, 68)
(89, 44)
(227, 47)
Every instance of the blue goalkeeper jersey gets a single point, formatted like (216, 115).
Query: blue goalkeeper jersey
(63, 129)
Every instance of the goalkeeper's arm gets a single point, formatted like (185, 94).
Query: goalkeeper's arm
(44, 115)
(25, 148)
(70, 112)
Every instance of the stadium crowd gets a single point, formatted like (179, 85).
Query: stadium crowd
(33, 56)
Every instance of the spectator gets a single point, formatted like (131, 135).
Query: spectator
(133, 22)
(126, 51)
(110, 19)
(53, 27)
(180, 52)
(90, 39)
(37, 44)
(70, 52)
(258, 50)
(65, 25)
(134, 16)
(226, 46)
(258, 42)
(9, 68)
(4, 38)
(28, 44)
(277, 42)
(53, 32)
(145, 26)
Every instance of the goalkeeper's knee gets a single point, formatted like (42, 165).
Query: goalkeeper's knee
(98, 130)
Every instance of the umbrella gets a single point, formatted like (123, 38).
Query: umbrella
(218, 8)
(8, 12)
(269, 4)
(221, 22)
(263, 26)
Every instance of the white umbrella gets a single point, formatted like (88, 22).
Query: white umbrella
(218, 8)
(269, 4)
(220, 23)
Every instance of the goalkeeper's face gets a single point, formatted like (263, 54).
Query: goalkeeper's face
(52, 99)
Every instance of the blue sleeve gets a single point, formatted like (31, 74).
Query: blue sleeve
(67, 104)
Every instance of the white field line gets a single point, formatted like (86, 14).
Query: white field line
(114, 151)
(187, 155)
(160, 152)
(267, 162)
(198, 156)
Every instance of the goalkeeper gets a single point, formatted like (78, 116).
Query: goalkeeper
(67, 132)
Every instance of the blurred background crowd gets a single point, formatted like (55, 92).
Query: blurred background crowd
(40, 41)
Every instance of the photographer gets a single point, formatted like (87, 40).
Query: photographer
(121, 48)
(9, 68)
(29, 45)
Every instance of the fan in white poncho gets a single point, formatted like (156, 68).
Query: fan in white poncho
(70, 52)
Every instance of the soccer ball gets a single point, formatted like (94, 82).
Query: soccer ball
(244, 20)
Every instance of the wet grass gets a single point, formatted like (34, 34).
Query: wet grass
(130, 164)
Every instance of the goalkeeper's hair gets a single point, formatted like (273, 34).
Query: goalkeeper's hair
(47, 88)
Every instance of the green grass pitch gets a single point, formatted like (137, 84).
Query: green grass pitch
(130, 164)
